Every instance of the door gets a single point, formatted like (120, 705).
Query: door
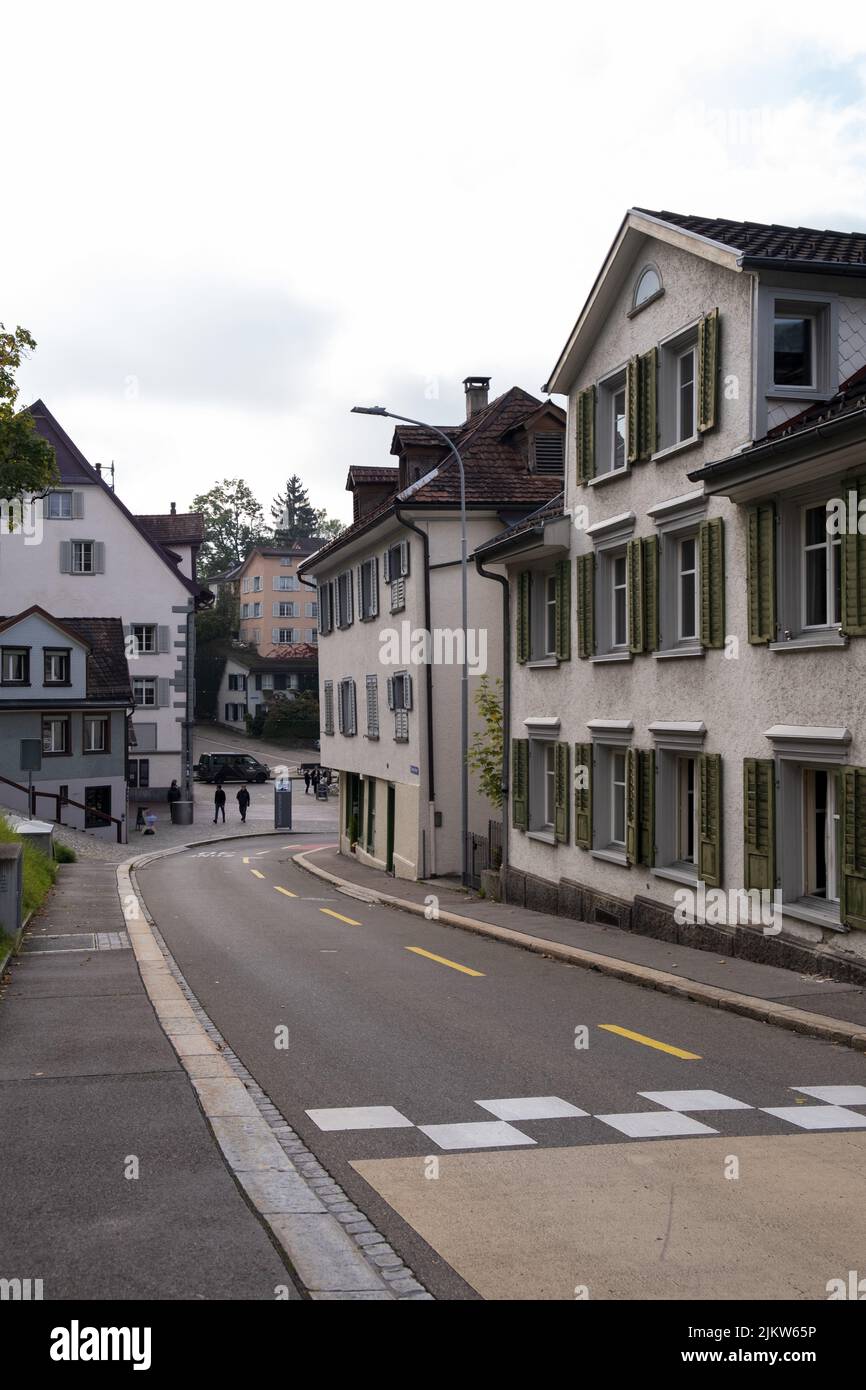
(389, 841)
(97, 799)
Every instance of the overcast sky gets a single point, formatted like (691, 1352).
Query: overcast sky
(226, 224)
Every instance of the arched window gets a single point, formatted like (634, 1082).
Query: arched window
(649, 284)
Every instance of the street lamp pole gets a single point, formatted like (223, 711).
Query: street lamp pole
(464, 608)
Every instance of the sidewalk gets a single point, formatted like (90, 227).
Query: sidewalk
(764, 991)
(112, 1185)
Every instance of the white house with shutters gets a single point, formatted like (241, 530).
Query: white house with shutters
(389, 604)
(687, 683)
(86, 554)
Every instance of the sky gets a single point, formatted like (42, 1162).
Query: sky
(227, 224)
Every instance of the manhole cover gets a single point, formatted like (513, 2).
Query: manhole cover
(79, 941)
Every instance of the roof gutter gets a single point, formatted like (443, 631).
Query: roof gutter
(802, 267)
(785, 444)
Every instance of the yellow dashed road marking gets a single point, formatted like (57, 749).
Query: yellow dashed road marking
(350, 921)
(256, 872)
(651, 1042)
(285, 891)
(441, 960)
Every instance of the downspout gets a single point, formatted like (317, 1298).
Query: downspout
(428, 677)
(506, 699)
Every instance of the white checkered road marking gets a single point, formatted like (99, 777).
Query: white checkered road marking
(532, 1108)
(835, 1095)
(360, 1117)
(695, 1100)
(655, 1124)
(481, 1134)
(817, 1116)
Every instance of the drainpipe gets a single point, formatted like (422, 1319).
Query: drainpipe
(428, 676)
(506, 697)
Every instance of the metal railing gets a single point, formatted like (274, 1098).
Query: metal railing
(32, 794)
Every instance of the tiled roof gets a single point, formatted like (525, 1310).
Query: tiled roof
(850, 396)
(407, 435)
(294, 651)
(174, 528)
(364, 473)
(551, 511)
(107, 669)
(767, 241)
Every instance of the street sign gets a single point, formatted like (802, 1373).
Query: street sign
(31, 755)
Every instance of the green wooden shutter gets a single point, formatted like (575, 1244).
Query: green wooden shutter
(712, 546)
(710, 819)
(647, 807)
(632, 800)
(586, 605)
(648, 403)
(762, 573)
(759, 823)
(520, 783)
(632, 409)
(563, 610)
(635, 594)
(651, 592)
(585, 410)
(522, 636)
(562, 797)
(851, 796)
(854, 574)
(708, 371)
(583, 795)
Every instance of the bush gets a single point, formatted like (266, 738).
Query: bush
(63, 854)
(292, 719)
(38, 873)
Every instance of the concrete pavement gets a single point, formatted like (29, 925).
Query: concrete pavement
(112, 1186)
(410, 1040)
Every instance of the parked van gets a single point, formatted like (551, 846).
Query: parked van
(233, 767)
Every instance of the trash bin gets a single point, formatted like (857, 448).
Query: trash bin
(181, 813)
(283, 804)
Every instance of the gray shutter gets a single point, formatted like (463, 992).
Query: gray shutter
(390, 688)
(407, 690)
(78, 506)
(275, 610)
(374, 587)
(353, 707)
(66, 557)
(275, 634)
(359, 575)
(372, 707)
(163, 640)
(386, 566)
(99, 557)
(563, 610)
(163, 692)
(340, 707)
(404, 557)
(398, 595)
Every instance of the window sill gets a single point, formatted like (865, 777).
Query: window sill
(609, 477)
(543, 663)
(611, 856)
(674, 652)
(545, 837)
(802, 910)
(650, 299)
(798, 393)
(811, 644)
(676, 875)
(610, 656)
(681, 447)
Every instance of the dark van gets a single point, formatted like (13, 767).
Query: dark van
(234, 767)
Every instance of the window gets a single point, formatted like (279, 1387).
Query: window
(326, 607)
(312, 610)
(56, 666)
(328, 710)
(144, 690)
(371, 812)
(347, 715)
(145, 637)
(618, 430)
(793, 350)
(686, 382)
(55, 735)
(400, 701)
(372, 706)
(245, 610)
(267, 681)
(687, 811)
(396, 561)
(543, 610)
(687, 588)
(550, 786)
(284, 636)
(314, 636)
(83, 557)
(257, 610)
(257, 584)
(284, 610)
(619, 600)
(820, 879)
(822, 571)
(344, 610)
(16, 665)
(368, 588)
(286, 581)
(285, 560)
(97, 733)
(139, 772)
(617, 799)
(647, 286)
(58, 506)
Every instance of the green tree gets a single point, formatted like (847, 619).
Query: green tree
(288, 720)
(233, 524)
(485, 754)
(293, 516)
(328, 527)
(27, 463)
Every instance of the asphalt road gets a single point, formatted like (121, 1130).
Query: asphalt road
(374, 1022)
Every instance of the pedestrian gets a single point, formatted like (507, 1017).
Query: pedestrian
(219, 804)
(307, 780)
(243, 803)
(314, 778)
(173, 792)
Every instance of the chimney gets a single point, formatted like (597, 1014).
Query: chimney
(173, 509)
(477, 390)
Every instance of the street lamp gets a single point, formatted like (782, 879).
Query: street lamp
(464, 605)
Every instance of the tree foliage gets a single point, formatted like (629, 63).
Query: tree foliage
(233, 523)
(27, 463)
(292, 514)
(485, 753)
(328, 527)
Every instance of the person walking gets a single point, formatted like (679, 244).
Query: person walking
(173, 792)
(243, 799)
(219, 805)
(314, 778)
(306, 781)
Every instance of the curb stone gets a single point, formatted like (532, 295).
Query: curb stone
(822, 1026)
(279, 1176)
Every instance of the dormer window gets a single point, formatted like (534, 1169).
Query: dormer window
(647, 287)
(549, 451)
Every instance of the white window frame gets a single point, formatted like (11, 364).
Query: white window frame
(60, 495)
(142, 649)
(95, 720)
(148, 685)
(689, 538)
(690, 352)
(831, 897)
(49, 657)
(831, 545)
(49, 724)
(16, 654)
(78, 554)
